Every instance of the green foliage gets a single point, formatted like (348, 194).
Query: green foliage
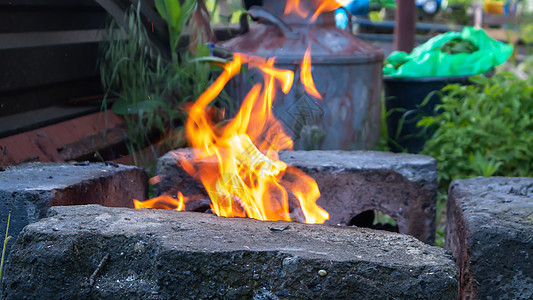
(378, 4)
(150, 91)
(454, 14)
(527, 33)
(525, 27)
(526, 67)
(460, 3)
(483, 129)
(176, 15)
(440, 232)
(382, 144)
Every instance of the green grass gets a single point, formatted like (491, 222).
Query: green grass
(149, 91)
(6, 239)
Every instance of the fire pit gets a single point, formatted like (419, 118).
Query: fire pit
(238, 161)
(99, 252)
(403, 186)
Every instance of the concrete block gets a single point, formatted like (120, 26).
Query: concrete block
(404, 186)
(29, 190)
(489, 229)
(96, 252)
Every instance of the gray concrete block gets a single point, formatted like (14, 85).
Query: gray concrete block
(163, 254)
(29, 190)
(404, 186)
(489, 229)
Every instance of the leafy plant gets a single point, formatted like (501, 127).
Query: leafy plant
(176, 15)
(526, 32)
(150, 90)
(455, 13)
(483, 129)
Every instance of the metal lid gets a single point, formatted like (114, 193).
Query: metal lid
(274, 38)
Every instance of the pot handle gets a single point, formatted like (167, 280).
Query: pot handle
(265, 15)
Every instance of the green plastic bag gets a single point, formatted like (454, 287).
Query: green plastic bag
(427, 60)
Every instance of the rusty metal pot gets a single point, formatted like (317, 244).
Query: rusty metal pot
(347, 73)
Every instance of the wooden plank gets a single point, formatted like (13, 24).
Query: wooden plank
(13, 124)
(32, 98)
(114, 8)
(50, 38)
(49, 19)
(37, 66)
(145, 157)
(48, 56)
(503, 35)
(84, 149)
(48, 3)
(45, 144)
(498, 20)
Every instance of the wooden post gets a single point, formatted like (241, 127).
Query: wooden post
(478, 14)
(404, 30)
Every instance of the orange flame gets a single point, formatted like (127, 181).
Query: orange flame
(325, 6)
(162, 202)
(294, 7)
(238, 162)
(307, 78)
(248, 179)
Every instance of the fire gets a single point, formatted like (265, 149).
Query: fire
(307, 78)
(295, 7)
(248, 179)
(162, 202)
(238, 162)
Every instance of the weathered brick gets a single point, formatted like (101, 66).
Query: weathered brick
(164, 254)
(29, 190)
(489, 229)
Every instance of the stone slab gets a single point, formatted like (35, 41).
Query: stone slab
(404, 186)
(164, 254)
(29, 190)
(490, 232)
